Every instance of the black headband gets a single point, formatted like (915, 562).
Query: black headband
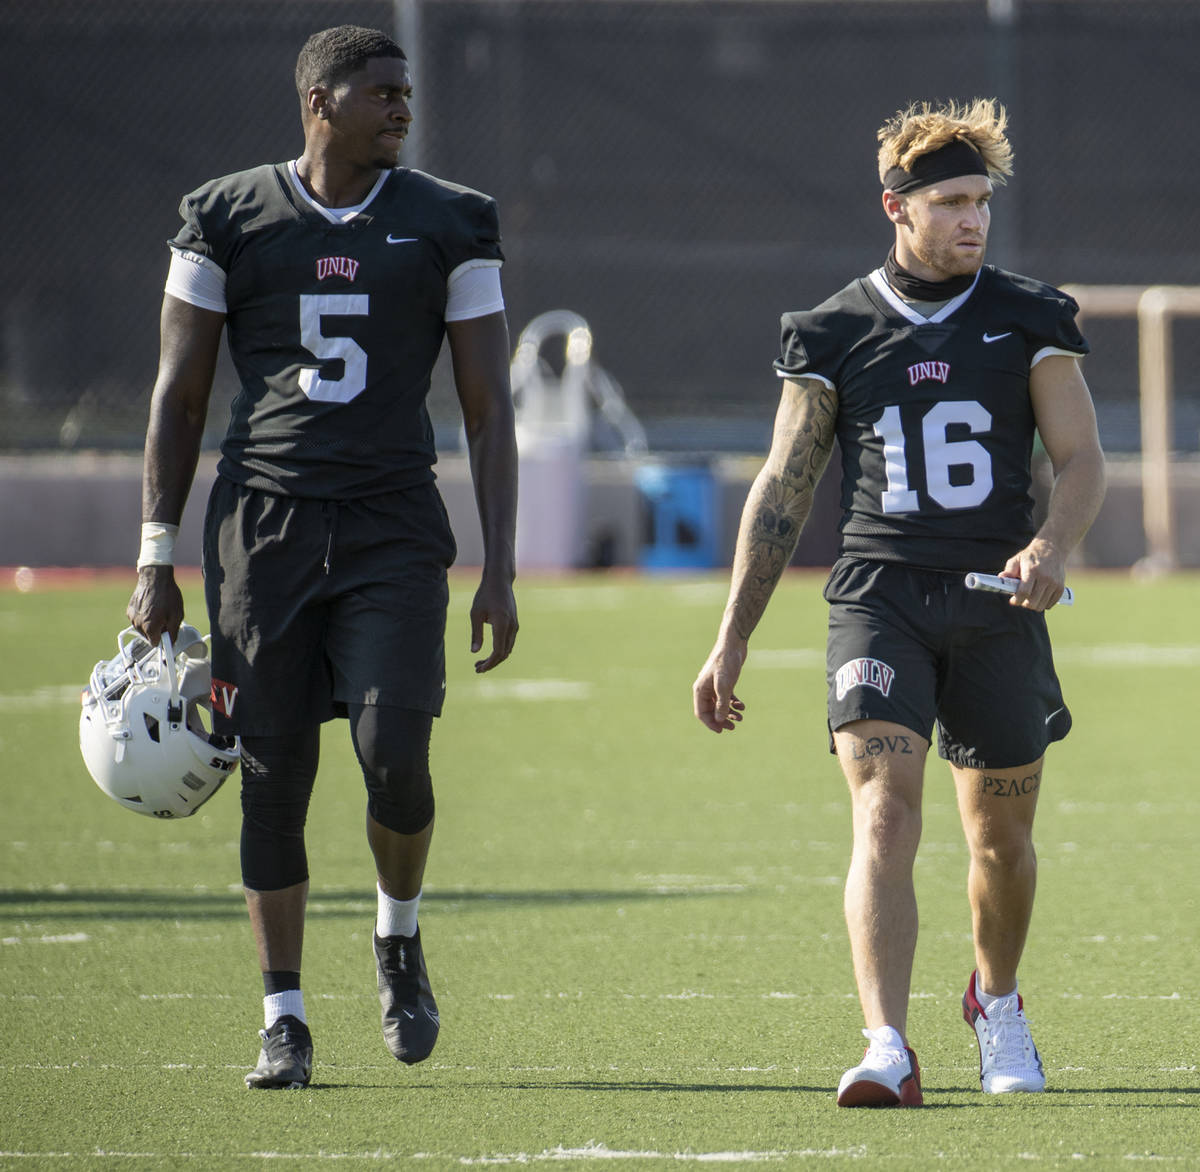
(948, 162)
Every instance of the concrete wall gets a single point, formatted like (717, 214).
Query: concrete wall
(85, 510)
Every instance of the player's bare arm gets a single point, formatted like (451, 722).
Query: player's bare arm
(776, 509)
(189, 341)
(1066, 420)
(479, 351)
(780, 499)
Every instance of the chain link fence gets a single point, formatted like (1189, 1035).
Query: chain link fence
(677, 173)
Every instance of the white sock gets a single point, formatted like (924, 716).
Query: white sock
(987, 1000)
(887, 1036)
(277, 1005)
(396, 917)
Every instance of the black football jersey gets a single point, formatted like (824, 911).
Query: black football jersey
(334, 328)
(934, 420)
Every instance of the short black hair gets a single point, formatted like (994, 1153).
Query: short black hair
(334, 54)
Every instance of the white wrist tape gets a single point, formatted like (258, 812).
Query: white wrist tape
(158, 544)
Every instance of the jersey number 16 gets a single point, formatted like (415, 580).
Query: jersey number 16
(941, 454)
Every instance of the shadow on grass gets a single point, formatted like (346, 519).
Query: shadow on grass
(971, 1099)
(156, 903)
(658, 1086)
(1053, 1092)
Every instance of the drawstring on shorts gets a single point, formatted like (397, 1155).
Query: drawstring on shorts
(330, 509)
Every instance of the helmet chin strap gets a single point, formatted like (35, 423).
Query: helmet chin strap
(174, 703)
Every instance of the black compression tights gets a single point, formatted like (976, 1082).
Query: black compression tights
(392, 745)
(277, 781)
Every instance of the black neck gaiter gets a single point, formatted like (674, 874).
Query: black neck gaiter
(915, 288)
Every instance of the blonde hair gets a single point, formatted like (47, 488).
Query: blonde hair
(923, 128)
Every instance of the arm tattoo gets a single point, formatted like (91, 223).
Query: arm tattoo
(781, 498)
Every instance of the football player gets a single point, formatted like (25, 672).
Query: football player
(933, 373)
(335, 278)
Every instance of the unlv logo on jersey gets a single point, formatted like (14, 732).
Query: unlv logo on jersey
(336, 266)
(920, 371)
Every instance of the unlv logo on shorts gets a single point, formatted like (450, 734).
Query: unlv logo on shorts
(864, 673)
(223, 697)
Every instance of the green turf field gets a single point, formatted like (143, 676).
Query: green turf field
(633, 927)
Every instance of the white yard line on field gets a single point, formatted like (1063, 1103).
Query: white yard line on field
(67, 938)
(595, 1151)
(563, 1155)
(1130, 655)
(787, 657)
(558, 1155)
(1118, 655)
(1102, 655)
(47, 696)
(535, 690)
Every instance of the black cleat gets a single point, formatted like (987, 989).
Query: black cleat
(410, 1014)
(286, 1057)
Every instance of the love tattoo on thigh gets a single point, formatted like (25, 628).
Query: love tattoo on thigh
(877, 746)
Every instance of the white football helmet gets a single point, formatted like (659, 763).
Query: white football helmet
(145, 730)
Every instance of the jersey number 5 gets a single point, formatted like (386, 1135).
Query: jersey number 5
(314, 307)
(941, 454)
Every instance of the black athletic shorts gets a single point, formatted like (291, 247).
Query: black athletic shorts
(916, 646)
(315, 605)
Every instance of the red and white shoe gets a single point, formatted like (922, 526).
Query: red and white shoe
(888, 1075)
(1009, 1062)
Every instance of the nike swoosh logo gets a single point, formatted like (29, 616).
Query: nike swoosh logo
(410, 1016)
(1054, 714)
(996, 337)
(403, 239)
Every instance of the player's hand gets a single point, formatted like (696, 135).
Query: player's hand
(1041, 570)
(713, 699)
(157, 603)
(496, 606)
